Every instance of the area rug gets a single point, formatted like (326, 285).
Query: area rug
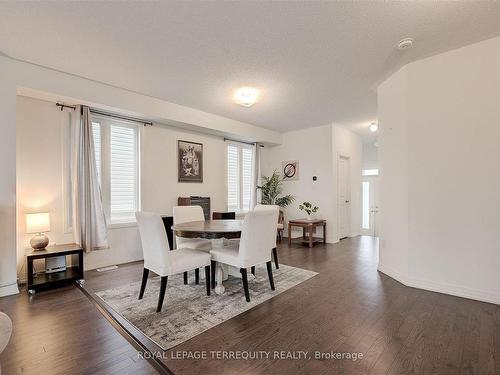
(187, 310)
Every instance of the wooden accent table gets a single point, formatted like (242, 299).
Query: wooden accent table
(50, 280)
(308, 226)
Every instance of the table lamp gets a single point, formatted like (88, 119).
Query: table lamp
(38, 223)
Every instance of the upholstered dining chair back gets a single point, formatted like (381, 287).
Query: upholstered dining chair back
(257, 234)
(270, 207)
(185, 214)
(155, 247)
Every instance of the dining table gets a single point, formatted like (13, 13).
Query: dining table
(218, 231)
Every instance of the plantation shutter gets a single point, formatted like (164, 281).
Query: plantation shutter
(123, 172)
(232, 177)
(96, 132)
(246, 177)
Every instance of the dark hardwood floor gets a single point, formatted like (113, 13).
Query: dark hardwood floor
(348, 307)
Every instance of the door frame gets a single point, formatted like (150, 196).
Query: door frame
(349, 214)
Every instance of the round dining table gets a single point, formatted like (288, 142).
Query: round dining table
(217, 231)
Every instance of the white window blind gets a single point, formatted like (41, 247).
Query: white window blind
(116, 148)
(246, 177)
(123, 172)
(239, 176)
(232, 178)
(96, 132)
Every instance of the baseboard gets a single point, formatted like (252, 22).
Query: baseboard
(450, 289)
(394, 274)
(8, 290)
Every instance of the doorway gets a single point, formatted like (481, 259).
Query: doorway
(344, 203)
(370, 206)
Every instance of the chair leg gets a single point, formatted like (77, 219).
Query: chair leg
(275, 254)
(197, 276)
(145, 274)
(163, 287)
(207, 279)
(244, 277)
(185, 278)
(212, 268)
(253, 270)
(270, 274)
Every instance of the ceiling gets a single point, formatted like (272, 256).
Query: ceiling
(315, 62)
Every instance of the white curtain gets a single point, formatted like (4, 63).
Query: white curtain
(89, 222)
(256, 180)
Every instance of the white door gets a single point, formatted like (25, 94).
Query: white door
(344, 198)
(370, 206)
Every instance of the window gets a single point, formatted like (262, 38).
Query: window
(370, 172)
(96, 132)
(239, 162)
(366, 205)
(116, 145)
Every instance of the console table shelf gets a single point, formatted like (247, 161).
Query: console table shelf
(44, 281)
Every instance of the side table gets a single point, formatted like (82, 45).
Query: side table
(308, 227)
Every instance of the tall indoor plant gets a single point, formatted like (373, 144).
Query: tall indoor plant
(272, 188)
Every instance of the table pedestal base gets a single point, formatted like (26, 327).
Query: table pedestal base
(222, 271)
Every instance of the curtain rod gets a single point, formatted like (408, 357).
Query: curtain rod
(246, 143)
(108, 114)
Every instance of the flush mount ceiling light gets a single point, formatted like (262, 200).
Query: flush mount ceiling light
(405, 43)
(246, 96)
(373, 127)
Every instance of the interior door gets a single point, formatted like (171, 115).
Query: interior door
(370, 206)
(344, 198)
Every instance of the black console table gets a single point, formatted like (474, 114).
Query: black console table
(43, 280)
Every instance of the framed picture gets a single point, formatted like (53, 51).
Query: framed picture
(290, 170)
(190, 161)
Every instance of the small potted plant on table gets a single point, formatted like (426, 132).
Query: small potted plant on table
(309, 209)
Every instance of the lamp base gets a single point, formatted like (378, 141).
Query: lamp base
(39, 241)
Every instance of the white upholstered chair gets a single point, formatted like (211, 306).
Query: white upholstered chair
(185, 214)
(257, 234)
(161, 260)
(261, 207)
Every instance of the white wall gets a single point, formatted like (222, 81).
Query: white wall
(8, 284)
(370, 156)
(439, 152)
(317, 150)
(160, 188)
(41, 173)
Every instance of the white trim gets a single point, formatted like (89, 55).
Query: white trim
(116, 225)
(450, 289)
(9, 289)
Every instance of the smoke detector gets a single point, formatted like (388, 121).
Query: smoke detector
(405, 44)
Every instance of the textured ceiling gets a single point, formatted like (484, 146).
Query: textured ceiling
(315, 62)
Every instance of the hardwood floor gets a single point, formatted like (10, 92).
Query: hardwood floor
(347, 307)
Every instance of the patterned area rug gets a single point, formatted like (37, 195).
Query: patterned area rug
(187, 310)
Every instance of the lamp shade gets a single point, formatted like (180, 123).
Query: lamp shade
(38, 223)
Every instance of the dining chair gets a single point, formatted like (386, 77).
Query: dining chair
(262, 207)
(161, 260)
(257, 233)
(184, 214)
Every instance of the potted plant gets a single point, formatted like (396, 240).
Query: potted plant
(309, 209)
(272, 188)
